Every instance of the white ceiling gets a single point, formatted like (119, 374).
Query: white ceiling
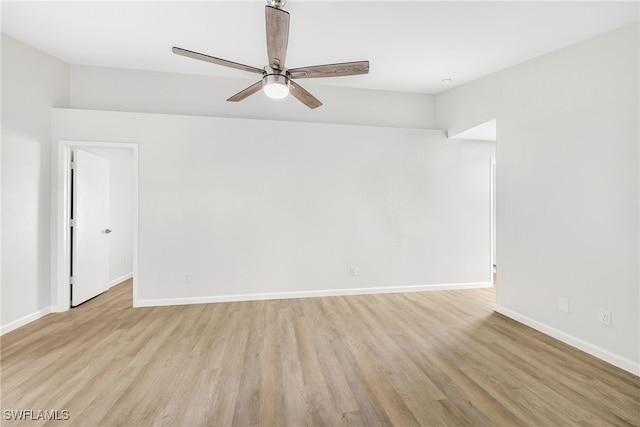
(411, 45)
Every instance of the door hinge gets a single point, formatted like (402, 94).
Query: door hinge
(72, 223)
(71, 280)
(73, 164)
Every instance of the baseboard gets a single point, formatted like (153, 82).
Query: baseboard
(308, 294)
(24, 320)
(120, 279)
(580, 344)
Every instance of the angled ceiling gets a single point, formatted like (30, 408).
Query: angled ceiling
(412, 45)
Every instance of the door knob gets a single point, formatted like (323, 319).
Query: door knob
(107, 231)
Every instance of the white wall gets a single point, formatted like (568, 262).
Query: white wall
(254, 208)
(120, 211)
(99, 88)
(567, 189)
(32, 83)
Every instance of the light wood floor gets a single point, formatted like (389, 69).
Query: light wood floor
(430, 358)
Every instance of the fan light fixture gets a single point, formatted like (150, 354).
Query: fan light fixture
(275, 86)
(277, 81)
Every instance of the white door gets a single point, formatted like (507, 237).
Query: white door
(90, 231)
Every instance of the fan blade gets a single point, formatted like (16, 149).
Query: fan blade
(330, 70)
(303, 96)
(214, 60)
(277, 24)
(244, 93)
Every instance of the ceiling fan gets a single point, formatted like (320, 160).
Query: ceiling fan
(278, 81)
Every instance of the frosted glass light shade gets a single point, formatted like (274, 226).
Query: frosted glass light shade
(276, 90)
(275, 86)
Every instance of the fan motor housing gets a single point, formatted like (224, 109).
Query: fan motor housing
(275, 78)
(276, 3)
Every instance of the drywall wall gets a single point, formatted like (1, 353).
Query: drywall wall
(567, 189)
(264, 209)
(99, 88)
(120, 211)
(32, 83)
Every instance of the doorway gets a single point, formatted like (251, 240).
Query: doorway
(62, 235)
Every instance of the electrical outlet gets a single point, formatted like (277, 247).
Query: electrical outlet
(187, 277)
(563, 305)
(353, 271)
(604, 317)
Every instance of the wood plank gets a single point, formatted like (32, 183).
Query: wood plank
(439, 358)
